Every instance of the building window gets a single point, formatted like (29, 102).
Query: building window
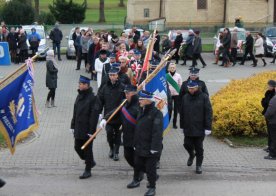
(201, 4)
(146, 13)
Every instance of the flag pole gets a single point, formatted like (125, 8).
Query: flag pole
(148, 79)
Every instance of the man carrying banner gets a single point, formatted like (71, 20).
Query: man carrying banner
(148, 138)
(84, 123)
(110, 96)
(196, 122)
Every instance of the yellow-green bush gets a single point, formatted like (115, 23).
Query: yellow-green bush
(237, 107)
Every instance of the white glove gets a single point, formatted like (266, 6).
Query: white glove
(103, 123)
(153, 151)
(71, 131)
(208, 132)
(100, 117)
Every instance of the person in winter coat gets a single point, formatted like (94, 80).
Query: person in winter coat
(22, 45)
(226, 43)
(196, 122)
(51, 78)
(265, 102)
(249, 44)
(197, 50)
(175, 80)
(84, 123)
(194, 76)
(84, 49)
(270, 116)
(259, 48)
(166, 44)
(219, 47)
(189, 47)
(110, 96)
(177, 43)
(99, 63)
(12, 40)
(234, 45)
(56, 36)
(34, 40)
(148, 138)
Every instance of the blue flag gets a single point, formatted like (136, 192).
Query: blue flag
(17, 107)
(158, 86)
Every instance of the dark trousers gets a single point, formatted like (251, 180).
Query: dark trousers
(56, 48)
(272, 131)
(194, 146)
(250, 52)
(226, 56)
(147, 165)
(51, 94)
(34, 50)
(175, 100)
(86, 154)
(80, 57)
(113, 137)
(234, 54)
(268, 136)
(23, 55)
(198, 56)
(129, 155)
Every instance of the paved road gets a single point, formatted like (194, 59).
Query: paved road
(48, 165)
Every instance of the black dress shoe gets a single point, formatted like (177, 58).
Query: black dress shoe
(204, 66)
(110, 154)
(272, 62)
(175, 127)
(266, 149)
(190, 160)
(183, 64)
(77, 68)
(150, 192)
(198, 170)
(116, 157)
(86, 174)
(133, 184)
(2, 183)
(270, 157)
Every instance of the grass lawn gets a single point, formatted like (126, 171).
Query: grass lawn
(113, 13)
(248, 141)
(208, 47)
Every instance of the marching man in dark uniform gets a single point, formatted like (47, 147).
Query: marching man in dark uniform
(148, 138)
(196, 122)
(84, 123)
(194, 76)
(110, 96)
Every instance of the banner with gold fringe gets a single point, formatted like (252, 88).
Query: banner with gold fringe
(18, 115)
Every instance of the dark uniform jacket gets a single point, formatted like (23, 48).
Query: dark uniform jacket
(123, 78)
(109, 97)
(270, 114)
(148, 131)
(195, 114)
(132, 108)
(51, 75)
(265, 101)
(184, 88)
(84, 119)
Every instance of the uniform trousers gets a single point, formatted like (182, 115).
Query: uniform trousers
(86, 154)
(194, 146)
(272, 131)
(113, 137)
(129, 155)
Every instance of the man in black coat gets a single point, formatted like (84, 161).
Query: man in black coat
(226, 43)
(148, 138)
(177, 43)
(265, 102)
(196, 122)
(197, 50)
(110, 96)
(249, 44)
(56, 36)
(84, 123)
(194, 76)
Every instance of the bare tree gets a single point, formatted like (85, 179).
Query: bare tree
(102, 16)
(121, 4)
(36, 2)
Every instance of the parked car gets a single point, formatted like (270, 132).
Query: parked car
(270, 34)
(241, 39)
(172, 35)
(70, 52)
(127, 31)
(43, 42)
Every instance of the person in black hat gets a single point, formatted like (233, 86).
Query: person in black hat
(84, 123)
(148, 138)
(196, 123)
(107, 66)
(2, 183)
(194, 76)
(197, 50)
(110, 96)
(265, 102)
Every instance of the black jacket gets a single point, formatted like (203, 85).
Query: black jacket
(12, 40)
(56, 35)
(265, 101)
(270, 114)
(148, 131)
(177, 42)
(184, 88)
(132, 108)
(226, 41)
(249, 43)
(197, 45)
(195, 114)
(124, 79)
(84, 120)
(51, 75)
(109, 97)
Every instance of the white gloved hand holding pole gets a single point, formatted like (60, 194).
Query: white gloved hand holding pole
(208, 132)
(103, 123)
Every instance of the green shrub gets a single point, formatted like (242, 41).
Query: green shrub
(237, 107)
(46, 18)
